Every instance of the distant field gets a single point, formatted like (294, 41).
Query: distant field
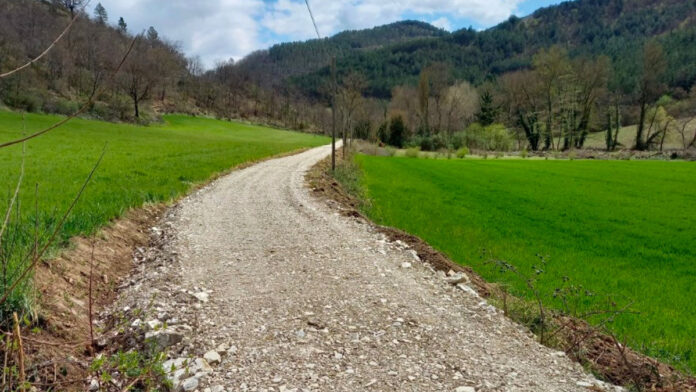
(627, 138)
(142, 164)
(620, 228)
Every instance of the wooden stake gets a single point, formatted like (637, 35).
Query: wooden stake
(20, 352)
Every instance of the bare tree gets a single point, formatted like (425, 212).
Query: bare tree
(140, 77)
(459, 104)
(688, 136)
(650, 86)
(523, 94)
(552, 66)
(349, 100)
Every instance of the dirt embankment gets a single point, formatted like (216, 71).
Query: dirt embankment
(57, 352)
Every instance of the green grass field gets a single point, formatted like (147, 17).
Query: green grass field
(623, 229)
(142, 164)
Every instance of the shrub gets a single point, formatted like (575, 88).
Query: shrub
(26, 100)
(383, 132)
(499, 138)
(397, 131)
(66, 107)
(494, 137)
(413, 152)
(524, 153)
(60, 106)
(440, 142)
(459, 140)
(426, 143)
(462, 152)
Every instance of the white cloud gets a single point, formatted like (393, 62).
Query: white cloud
(212, 29)
(222, 29)
(289, 17)
(442, 23)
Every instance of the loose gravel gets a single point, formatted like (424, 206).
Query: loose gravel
(262, 287)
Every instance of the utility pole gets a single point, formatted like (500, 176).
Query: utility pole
(334, 92)
(333, 113)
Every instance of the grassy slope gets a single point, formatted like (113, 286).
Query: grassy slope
(620, 228)
(142, 164)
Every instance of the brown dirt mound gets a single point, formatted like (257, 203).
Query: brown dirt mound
(581, 341)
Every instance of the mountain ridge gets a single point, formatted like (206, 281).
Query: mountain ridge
(617, 28)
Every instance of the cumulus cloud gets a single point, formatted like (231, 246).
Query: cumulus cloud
(215, 30)
(221, 29)
(442, 23)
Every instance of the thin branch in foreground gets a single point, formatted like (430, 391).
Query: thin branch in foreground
(45, 52)
(84, 108)
(54, 235)
(6, 221)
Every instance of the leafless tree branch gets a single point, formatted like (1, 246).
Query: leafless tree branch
(81, 110)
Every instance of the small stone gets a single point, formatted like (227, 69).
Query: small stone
(222, 348)
(405, 264)
(202, 296)
(165, 338)
(154, 324)
(93, 385)
(212, 357)
(457, 278)
(277, 379)
(189, 384)
(465, 389)
(201, 365)
(217, 388)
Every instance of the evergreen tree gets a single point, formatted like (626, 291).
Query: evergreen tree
(152, 34)
(122, 26)
(397, 131)
(487, 112)
(101, 14)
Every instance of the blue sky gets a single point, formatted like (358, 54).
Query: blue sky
(217, 30)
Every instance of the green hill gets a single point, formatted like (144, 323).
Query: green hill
(616, 28)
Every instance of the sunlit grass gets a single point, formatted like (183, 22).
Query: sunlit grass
(623, 229)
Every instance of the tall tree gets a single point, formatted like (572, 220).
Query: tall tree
(650, 85)
(424, 102)
(101, 14)
(487, 109)
(152, 34)
(551, 66)
(349, 100)
(523, 95)
(122, 26)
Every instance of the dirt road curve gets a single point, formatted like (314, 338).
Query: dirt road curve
(310, 300)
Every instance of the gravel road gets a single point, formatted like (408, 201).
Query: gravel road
(293, 296)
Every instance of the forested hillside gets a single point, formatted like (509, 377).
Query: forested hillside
(83, 62)
(616, 28)
(269, 67)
